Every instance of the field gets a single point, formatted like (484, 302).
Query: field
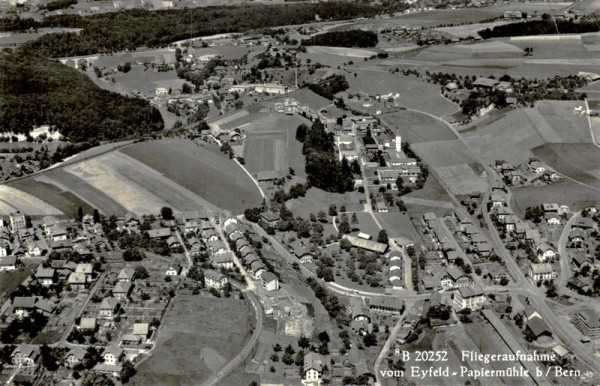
(12, 199)
(317, 200)
(563, 192)
(414, 93)
(65, 201)
(444, 153)
(347, 52)
(479, 50)
(190, 348)
(415, 127)
(219, 181)
(365, 223)
(578, 161)
(93, 197)
(512, 137)
(9, 281)
(432, 191)
(461, 179)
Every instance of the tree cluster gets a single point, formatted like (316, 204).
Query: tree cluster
(546, 26)
(330, 86)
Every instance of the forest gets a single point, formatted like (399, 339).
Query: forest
(546, 26)
(37, 91)
(128, 30)
(352, 38)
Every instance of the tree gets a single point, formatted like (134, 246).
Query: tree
(382, 237)
(127, 371)
(369, 340)
(79, 214)
(141, 272)
(166, 213)
(303, 342)
(299, 360)
(301, 132)
(287, 358)
(96, 215)
(277, 347)
(274, 357)
(323, 336)
(332, 210)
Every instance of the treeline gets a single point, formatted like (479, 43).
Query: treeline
(329, 87)
(323, 169)
(546, 26)
(351, 38)
(38, 91)
(127, 30)
(60, 4)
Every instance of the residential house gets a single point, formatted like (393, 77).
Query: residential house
(112, 355)
(301, 252)
(224, 260)
(539, 272)
(126, 274)
(122, 290)
(108, 308)
(471, 296)
(25, 355)
(545, 251)
(269, 281)
(174, 270)
(77, 281)
(455, 278)
(74, 356)
(214, 279)
(359, 310)
(538, 327)
(386, 304)
(45, 276)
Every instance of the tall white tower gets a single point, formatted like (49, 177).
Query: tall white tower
(398, 142)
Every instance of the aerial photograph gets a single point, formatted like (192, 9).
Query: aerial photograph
(299, 192)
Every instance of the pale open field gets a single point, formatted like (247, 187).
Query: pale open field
(191, 348)
(477, 50)
(207, 174)
(461, 179)
(12, 199)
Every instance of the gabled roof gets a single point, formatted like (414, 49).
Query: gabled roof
(122, 287)
(268, 277)
(538, 326)
(126, 274)
(109, 304)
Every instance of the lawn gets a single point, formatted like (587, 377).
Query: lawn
(191, 347)
(398, 225)
(208, 174)
(318, 200)
(432, 190)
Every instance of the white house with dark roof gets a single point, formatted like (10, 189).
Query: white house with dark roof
(25, 355)
(471, 296)
(539, 272)
(269, 281)
(214, 279)
(312, 369)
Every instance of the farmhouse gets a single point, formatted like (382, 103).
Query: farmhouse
(301, 252)
(455, 278)
(126, 274)
(122, 290)
(312, 368)
(538, 327)
(112, 355)
(224, 260)
(469, 297)
(359, 311)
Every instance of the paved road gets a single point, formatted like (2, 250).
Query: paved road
(241, 356)
(565, 268)
(386, 347)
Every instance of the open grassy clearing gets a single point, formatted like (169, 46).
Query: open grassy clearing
(563, 192)
(64, 201)
(190, 348)
(9, 281)
(461, 179)
(12, 199)
(414, 93)
(365, 223)
(478, 50)
(469, 30)
(578, 161)
(207, 174)
(93, 197)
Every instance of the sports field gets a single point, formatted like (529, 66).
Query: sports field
(209, 175)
